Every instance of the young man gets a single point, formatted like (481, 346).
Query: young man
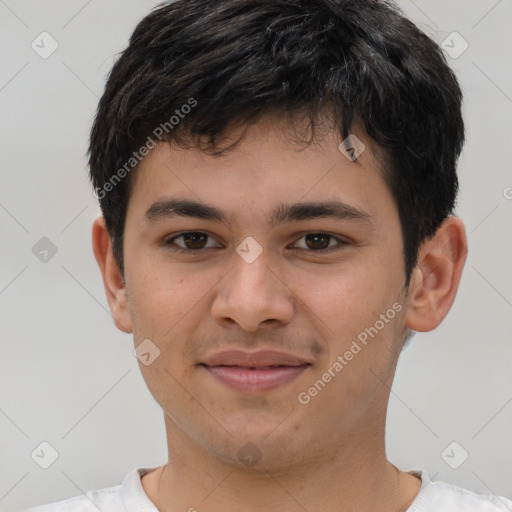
(277, 180)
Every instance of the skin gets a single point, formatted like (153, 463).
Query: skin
(294, 298)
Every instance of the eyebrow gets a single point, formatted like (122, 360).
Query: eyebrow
(338, 210)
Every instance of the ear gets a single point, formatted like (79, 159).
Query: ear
(436, 278)
(113, 280)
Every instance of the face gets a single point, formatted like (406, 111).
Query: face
(289, 249)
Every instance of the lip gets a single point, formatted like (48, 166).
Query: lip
(255, 371)
(255, 380)
(258, 359)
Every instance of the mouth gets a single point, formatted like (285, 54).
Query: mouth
(259, 371)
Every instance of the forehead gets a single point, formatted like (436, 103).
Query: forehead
(269, 165)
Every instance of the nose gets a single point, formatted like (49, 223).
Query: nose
(252, 295)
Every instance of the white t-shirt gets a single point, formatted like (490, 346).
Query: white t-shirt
(130, 497)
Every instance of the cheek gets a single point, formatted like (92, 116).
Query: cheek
(341, 297)
(347, 305)
(166, 303)
(157, 302)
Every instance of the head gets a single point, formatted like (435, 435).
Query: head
(244, 106)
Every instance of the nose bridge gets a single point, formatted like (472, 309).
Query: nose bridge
(251, 281)
(252, 275)
(251, 293)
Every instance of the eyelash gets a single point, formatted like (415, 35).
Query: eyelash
(170, 242)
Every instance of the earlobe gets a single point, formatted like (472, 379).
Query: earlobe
(113, 280)
(435, 280)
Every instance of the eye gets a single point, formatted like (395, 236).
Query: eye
(196, 241)
(321, 242)
(191, 241)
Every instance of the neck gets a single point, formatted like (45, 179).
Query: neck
(351, 475)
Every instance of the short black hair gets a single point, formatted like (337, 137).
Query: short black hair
(194, 66)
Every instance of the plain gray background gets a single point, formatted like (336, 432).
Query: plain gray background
(69, 378)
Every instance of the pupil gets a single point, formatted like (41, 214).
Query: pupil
(194, 240)
(317, 241)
